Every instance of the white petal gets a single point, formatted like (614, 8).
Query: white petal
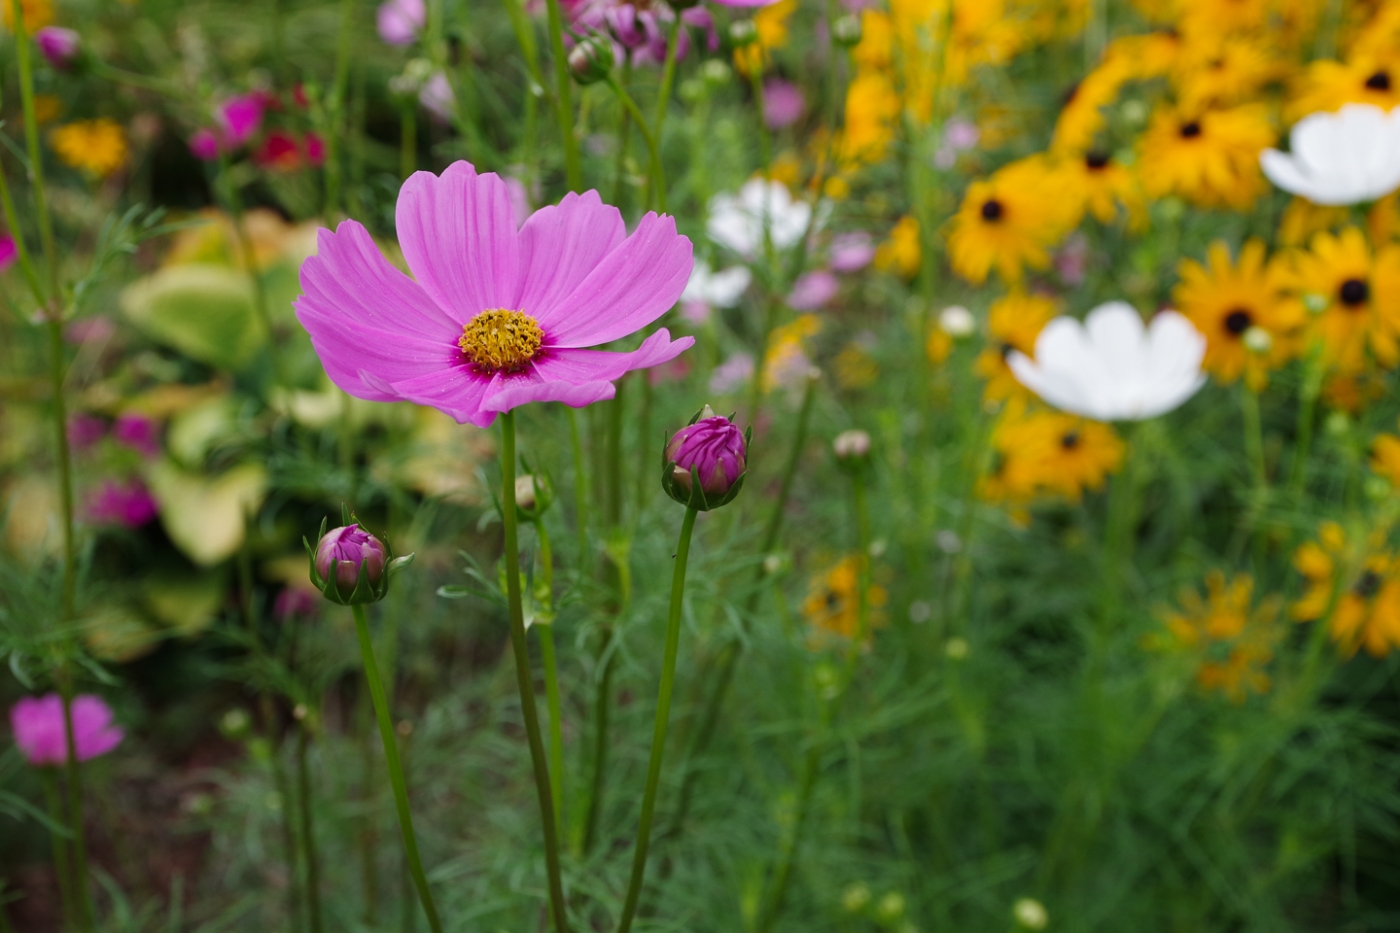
(1052, 388)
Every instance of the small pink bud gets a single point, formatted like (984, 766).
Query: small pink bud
(714, 448)
(851, 445)
(350, 546)
(60, 46)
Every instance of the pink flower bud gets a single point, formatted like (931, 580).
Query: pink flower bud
(205, 145)
(715, 448)
(41, 734)
(60, 46)
(350, 546)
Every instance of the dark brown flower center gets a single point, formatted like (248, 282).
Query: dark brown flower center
(1380, 81)
(1190, 130)
(992, 210)
(1238, 321)
(1354, 292)
(1096, 160)
(1368, 585)
(1005, 350)
(1070, 440)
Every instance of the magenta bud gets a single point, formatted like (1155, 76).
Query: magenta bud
(60, 46)
(712, 449)
(349, 547)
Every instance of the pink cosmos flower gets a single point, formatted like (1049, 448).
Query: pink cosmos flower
(315, 149)
(733, 374)
(205, 145)
(437, 97)
(640, 29)
(851, 252)
(783, 103)
(239, 118)
(9, 251)
(138, 433)
(400, 21)
(128, 504)
(58, 45)
(812, 290)
(494, 317)
(42, 737)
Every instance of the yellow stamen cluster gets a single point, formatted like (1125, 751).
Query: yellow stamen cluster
(499, 340)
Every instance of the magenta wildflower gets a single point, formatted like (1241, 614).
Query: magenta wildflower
(42, 738)
(851, 252)
(205, 145)
(494, 317)
(9, 251)
(641, 28)
(812, 290)
(138, 433)
(238, 119)
(60, 46)
(315, 149)
(400, 21)
(121, 503)
(85, 430)
(783, 103)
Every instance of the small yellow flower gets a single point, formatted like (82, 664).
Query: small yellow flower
(1352, 295)
(37, 14)
(1229, 301)
(1210, 158)
(1105, 189)
(1328, 85)
(97, 147)
(901, 253)
(1047, 453)
(1365, 610)
(831, 605)
(1013, 323)
(855, 368)
(1233, 639)
(1009, 221)
(771, 23)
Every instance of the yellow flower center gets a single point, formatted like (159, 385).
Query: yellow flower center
(499, 340)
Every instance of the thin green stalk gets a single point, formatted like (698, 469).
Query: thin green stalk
(580, 487)
(563, 100)
(396, 775)
(59, 407)
(26, 264)
(521, 649)
(31, 138)
(646, 480)
(551, 672)
(782, 873)
(602, 707)
(73, 773)
(1118, 543)
(862, 527)
(308, 830)
(288, 815)
(624, 140)
(770, 321)
(1254, 437)
(656, 186)
(765, 144)
(663, 715)
(337, 110)
(62, 862)
(1307, 409)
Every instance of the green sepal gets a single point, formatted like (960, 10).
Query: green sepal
(364, 591)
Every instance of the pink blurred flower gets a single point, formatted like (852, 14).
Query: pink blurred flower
(570, 278)
(239, 118)
(959, 135)
(279, 152)
(137, 432)
(205, 145)
(42, 736)
(783, 103)
(96, 329)
(731, 375)
(674, 371)
(116, 503)
(400, 21)
(746, 3)
(60, 46)
(437, 97)
(9, 251)
(315, 149)
(641, 28)
(812, 290)
(294, 601)
(1072, 259)
(851, 252)
(85, 430)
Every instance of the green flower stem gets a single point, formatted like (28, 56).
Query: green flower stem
(563, 99)
(551, 674)
(765, 143)
(337, 110)
(580, 487)
(656, 187)
(26, 263)
(862, 523)
(1118, 539)
(646, 478)
(36, 159)
(1307, 409)
(770, 321)
(729, 654)
(73, 771)
(782, 873)
(1254, 436)
(521, 649)
(624, 140)
(396, 778)
(62, 861)
(663, 715)
(308, 830)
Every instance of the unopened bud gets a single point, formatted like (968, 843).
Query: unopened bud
(1258, 340)
(743, 32)
(525, 492)
(592, 60)
(957, 321)
(711, 449)
(61, 47)
(350, 566)
(1030, 913)
(851, 446)
(846, 30)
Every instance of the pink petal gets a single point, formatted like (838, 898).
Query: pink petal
(507, 393)
(455, 391)
(349, 277)
(634, 285)
(367, 361)
(560, 246)
(458, 234)
(582, 366)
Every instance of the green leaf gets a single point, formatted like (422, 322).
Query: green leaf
(204, 311)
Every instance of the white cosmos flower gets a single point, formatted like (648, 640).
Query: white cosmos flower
(1339, 158)
(721, 289)
(738, 220)
(1111, 367)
